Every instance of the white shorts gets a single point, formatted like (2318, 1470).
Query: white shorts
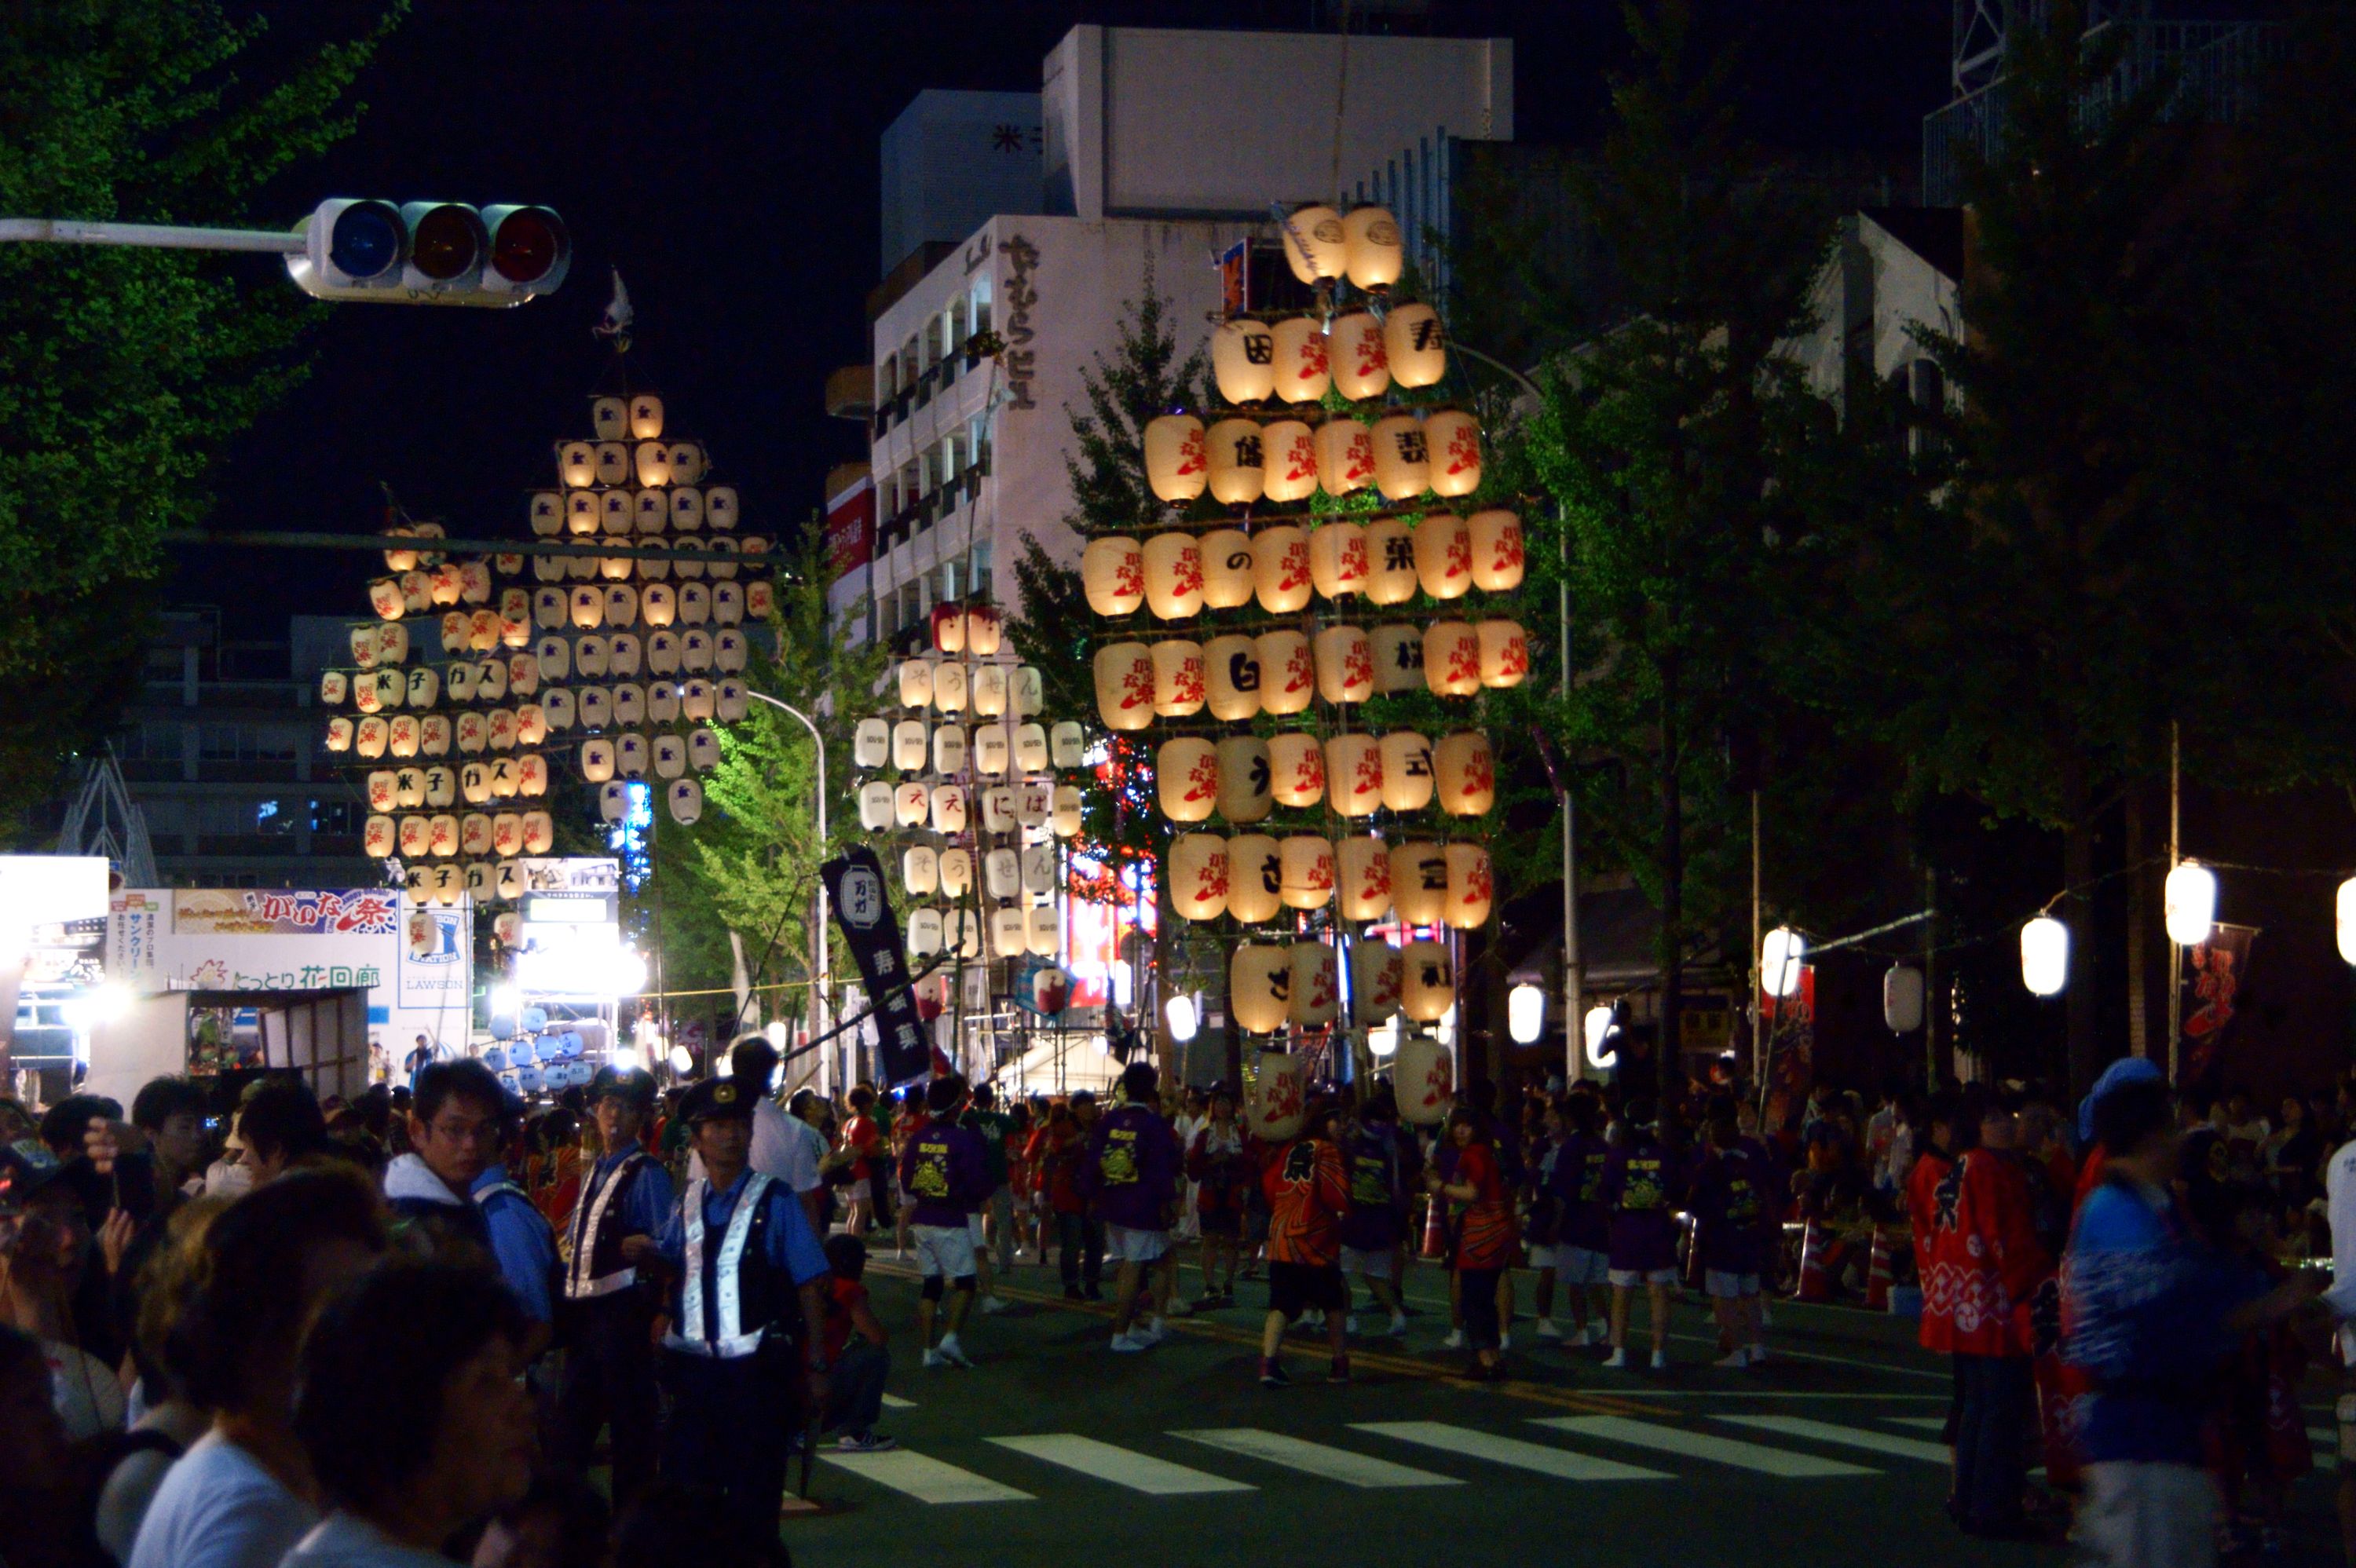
(944, 1251)
(1369, 1263)
(1541, 1257)
(1123, 1246)
(1726, 1286)
(1628, 1278)
(1581, 1265)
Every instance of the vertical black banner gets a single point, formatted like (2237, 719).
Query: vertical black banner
(855, 884)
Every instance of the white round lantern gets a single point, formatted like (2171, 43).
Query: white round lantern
(1504, 653)
(1278, 1103)
(1259, 987)
(1287, 672)
(1305, 862)
(1067, 744)
(1296, 765)
(948, 749)
(1497, 555)
(1289, 461)
(1451, 659)
(1346, 455)
(1402, 466)
(1467, 773)
(1374, 975)
(916, 683)
(1124, 682)
(1354, 353)
(1390, 575)
(1780, 958)
(993, 749)
(1423, 1081)
(1243, 360)
(1362, 878)
(1374, 254)
(949, 812)
(1427, 981)
(949, 685)
(2189, 903)
(1174, 576)
(1454, 438)
(1112, 575)
(1255, 878)
(1244, 792)
(1281, 579)
(1354, 774)
(2044, 957)
(1300, 368)
(1415, 344)
(1338, 560)
(1030, 749)
(1179, 679)
(871, 743)
(1316, 985)
(1065, 820)
(1227, 571)
(1175, 463)
(1231, 678)
(1443, 555)
(1472, 886)
(1198, 876)
(956, 873)
(1346, 664)
(1186, 778)
(1235, 462)
(1316, 244)
(911, 804)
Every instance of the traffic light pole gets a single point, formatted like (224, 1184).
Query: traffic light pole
(150, 236)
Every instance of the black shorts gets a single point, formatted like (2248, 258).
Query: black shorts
(1292, 1288)
(1955, 1400)
(1221, 1222)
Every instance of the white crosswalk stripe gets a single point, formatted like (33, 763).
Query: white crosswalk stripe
(1563, 1464)
(1851, 1436)
(926, 1480)
(1317, 1460)
(894, 1401)
(1703, 1445)
(1920, 1423)
(1120, 1467)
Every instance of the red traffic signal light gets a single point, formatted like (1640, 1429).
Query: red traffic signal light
(431, 252)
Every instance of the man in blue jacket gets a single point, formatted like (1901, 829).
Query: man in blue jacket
(945, 1171)
(1131, 1175)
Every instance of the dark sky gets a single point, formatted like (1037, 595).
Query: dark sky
(723, 155)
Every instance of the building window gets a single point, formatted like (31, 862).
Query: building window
(245, 743)
(336, 816)
(981, 303)
(152, 742)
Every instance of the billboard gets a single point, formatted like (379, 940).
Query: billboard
(850, 529)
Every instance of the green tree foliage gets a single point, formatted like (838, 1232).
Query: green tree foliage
(123, 373)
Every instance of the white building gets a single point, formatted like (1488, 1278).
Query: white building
(1893, 269)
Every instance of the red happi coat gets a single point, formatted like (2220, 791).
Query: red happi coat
(1983, 1263)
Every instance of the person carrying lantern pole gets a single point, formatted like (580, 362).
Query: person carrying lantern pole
(1309, 1198)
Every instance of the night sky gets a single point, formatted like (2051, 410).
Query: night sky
(723, 155)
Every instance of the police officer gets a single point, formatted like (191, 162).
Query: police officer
(609, 1311)
(744, 1350)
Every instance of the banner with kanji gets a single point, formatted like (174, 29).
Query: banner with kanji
(2213, 974)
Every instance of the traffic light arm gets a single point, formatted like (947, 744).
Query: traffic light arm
(149, 236)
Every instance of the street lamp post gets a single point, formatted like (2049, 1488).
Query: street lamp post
(825, 973)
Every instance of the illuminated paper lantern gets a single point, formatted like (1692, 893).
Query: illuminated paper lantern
(474, 783)
(1175, 461)
(380, 837)
(1296, 765)
(1346, 455)
(956, 874)
(646, 416)
(590, 656)
(1472, 886)
(1346, 664)
(702, 750)
(1316, 245)
(334, 688)
(1112, 575)
(1373, 252)
(1227, 569)
(545, 513)
(1186, 778)
(1504, 653)
(985, 630)
(550, 611)
(1338, 560)
(948, 749)
(1316, 985)
(383, 790)
(687, 510)
(1454, 438)
(1467, 774)
(875, 806)
(1416, 345)
(2044, 957)
(729, 700)
(1419, 883)
(1255, 878)
(1001, 874)
(530, 725)
(1427, 981)
(920, 871)
(1301, 370)
(1006, 929)
(1065, 820)
(441, 786)
(1031, 751)
(339, 734)
(474, 731)
(694, 604)
(1354, 353)
(871, 743)
(1376, 974)
(727, 605)
(369, 737)
(916, 683)
(1443, 555)
(685, 797)
(588, 609)
(614, 517)
(442, 835)
(649, 512)
(925, 935)
(558, 705)
(401, 738)
(458, 625)
(948, 627)
(1287, 672)
(621, 605)
(1402, 464)
(721, 508)
(1043, 932)
(1281, 579)
(1259, 987)
(1362, 878)
(1236, 465)
(580, 520)
(652, 462)
(393, 643)
(911, 804)
(992, 751)
(417, 593)
(596, 761)
(531, 774)
(949, 808)
(612, 801)
(1497, 555)
(576, 463)
(1243, 360)
(1124, 682)
(538, 832)
(609, 463)
(1026, 691)
(1423, 1080)
(385, 599)
(1243, 779)
(949, 685)
(910, 745)
(1407, 771)
(1178, 678)
(1067, 744)
(1198, 876)
(1231, 678)
(1354, 774)
(1451, 659)
(1306, 861)
(1174, 576)
(433, 735)
(1289, 461)
(609, 417)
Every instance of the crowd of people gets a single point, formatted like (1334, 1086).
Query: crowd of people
(402, 1330)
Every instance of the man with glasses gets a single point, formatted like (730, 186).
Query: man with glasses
(454, 1187)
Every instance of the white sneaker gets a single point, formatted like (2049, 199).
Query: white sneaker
(1580, 1340)
(993, 1304)
(1739, 1356)
(1455, 1341)
(952, 1352)
(1504, 1340)
(1153, 1333)
(1547, 1330)
(1129, 1344)
(935, 1359)
(1758, 1355)
(1616, 1358)
(1660, 1361)
(1399, 1323)
(1179, 1308)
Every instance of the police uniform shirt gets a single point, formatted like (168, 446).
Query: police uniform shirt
(641, 1209)
(521, 1241)
(791, 1249)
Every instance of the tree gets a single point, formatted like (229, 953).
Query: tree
(123, 373)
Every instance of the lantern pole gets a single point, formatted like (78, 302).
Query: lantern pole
(2175, 950)
(825, 973)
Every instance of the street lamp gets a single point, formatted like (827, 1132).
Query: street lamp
(1526, 1013)
(825, 972)
(2045, 956)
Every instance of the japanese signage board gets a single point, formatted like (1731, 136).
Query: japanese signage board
(854, 885)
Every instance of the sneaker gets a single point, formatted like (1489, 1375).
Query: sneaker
(1129, 1344)
(1350, 1325)
(1152, 1334)
(1399, 1323)
(1547, 1330)
(1578, 1341)
(865, 1443)
(1339, 1370)
(1178, 1308)
(1272, 1374)
(1739, 1356)
(1660, 1361)
(1616, 1359)
(1758, 1355)
(991, 1304)
(1455, 1341)
(1504, 1340)
(952, 1352)
(935, 1359)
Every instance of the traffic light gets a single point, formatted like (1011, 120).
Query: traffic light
(431, 252)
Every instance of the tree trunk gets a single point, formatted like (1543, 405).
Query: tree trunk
(1669, 1068)
(2085, 1051)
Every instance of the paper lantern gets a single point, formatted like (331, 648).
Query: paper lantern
(1338, 560)
(1451, 659)
(1186, 778)
(1030, 746)
(1296, 765)
(1374, 977)
(1231, 678)
(1354, 774)
(588, 606)
(875, 806)
(1279, 1102)
(948, 627)
(1427, 981)
(1198, 876)
(1402, 465)
(1067, 744)
(1419, 883)
(1174, 576)
(1042, 931)
(871, 743)
(1175, 463)
(949, 685)
(383, 790)
(1346, 664)
(385, 599)
(1504, 653)
(576, 463)
(719, 506)
(474, 783)
(1362, 878)
(1259, 987)
(911, 745)
(609, 462)
(916, 683)
(369, 737)
(702, 750)
(948, 808)
(1300, 373)
(614, 517)
(2044, 957)
(992, 751)
(1407, 771)
(1316, 985)
(687, 511)
(729, 701)
(393, 643)
(457, 626)
(1227, 569)
(334, 688)
(1235, 462)
(1281, 579)
(694, 604)
(2344, 920)
(1443, 555)
(997, 809)
(646, 416)
(1454, 438)
(1467, 773)
(652, 461)
(1255, 878)
(1112, 575)
(1178, 678)
(1346, 455)
(559, 707)
(1006, 929)
(441, 786)
(339, 734)
(401, 738)
(610, 418)
(1243, 360)
(1316, 244)
(1306, 865)
(490, 680)
(596, 761)
(956, 874)
(1373, 253)
(1244, 781)
(2189, 903)
(1001, 874)
(1289, 461)
(1065, 820)
(727, 605)
(911, 804)
(531, 774)
(1124, 682)
(948, 749)
(650, 511)
(545, 512)
(920, 871)
(621, 605)
(580, 519)
(1026, 691)
(380, 837)
(1423, 1080)
(1415, 346)
(1353, 352)
(1498, 556)
(985, 630)
(685, 797)
(1472, 886)
(1287, 672)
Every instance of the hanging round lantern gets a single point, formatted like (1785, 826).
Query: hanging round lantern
(433, 735)
(369, 737)
(1235, 464)
(1281, 575)
(613, 805)
(383, 790)
(530, 725)
(1289, 461)
(993, 750)
(1497, 558)
(576, 463)
(1354, 774)
(653, 463)
(1301, 370)
(1001, 874)
(1407, 771)
(442, 786)
(1043, 932)
(1006, 929)
(1353, 352)
(727, 605)
(1402, 466)
(2044, 957)
(1305, 862)
(621, 605)
(871, 743)
(646, 417)
(1296, 764)
(1419, 883)
(1443, 555)
(1316, 985)
(609, 417)
(1362, 878)
(1064, 821)
(650, 511)
(393, 643)
(457, 626)
(924, 933)
(916, 683)
(1287, 672)
(1112, 575)
(1030, 741)
(688, 463)
(1243, 771)
(385, 599)
(911, 804)
(1389, 576)
(950, 812)
(380, 837)
(400, 739)
(1415, 344)
(1124, 682)
(985, 630)
(956, 873)
(1067, 744)
(911, 744)
(559, 707)
(1451, 659)
(1186, 778)
(1423, 1080)
(2189, 903)
(1374, 977)
(1316, 245)
(1260, 985)
(687, 511)
(1454, 438)
(490, 679)
(589, 657)
(702, 750)
(729, 701)
(596, 762)
(1255, 878)
(1472, 886)
(1174, 576)
(1338, 560)
(1373, 253)
(948, 627)
(1179, 687)
(1231, 678)
(610, 462)
(334, 688)
(949, 685)
(948, 749)
(920, 871)
(1346, 664)
(1427, 981)
(339, 733)
(531, 774)
(442, 835)
(1243, 360)
(614, 514)
(1175, 463)
(1198, 876)
(1504, 653)
(1227, 555)
(546, 513)
(694, 604)
(588, 607)
(1346, 455)
(580, 520)
(1467, 774)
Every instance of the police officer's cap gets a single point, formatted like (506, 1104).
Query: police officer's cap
(635, 1084)
(717, 1097)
